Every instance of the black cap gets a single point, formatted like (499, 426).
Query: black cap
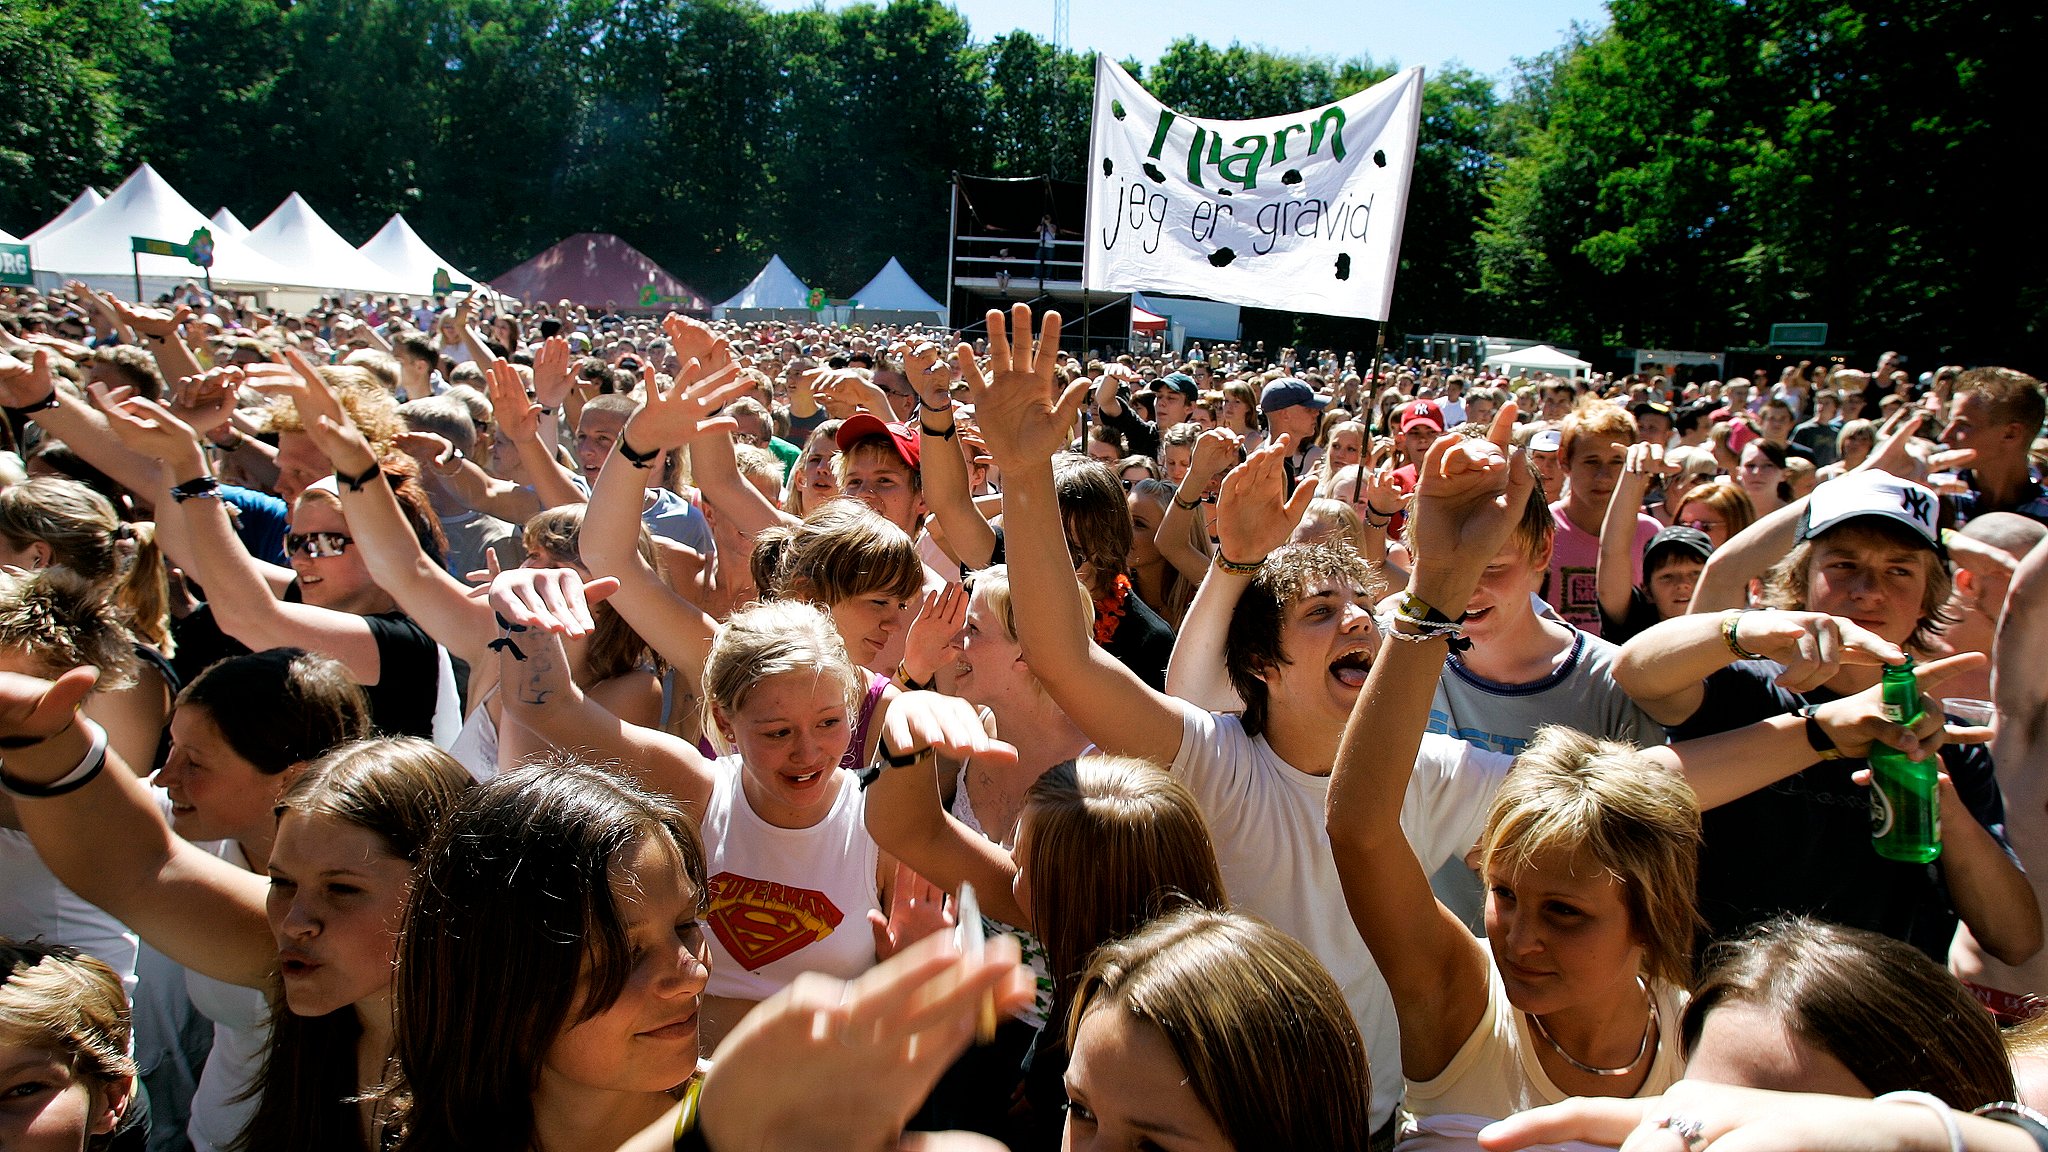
(1678, 538)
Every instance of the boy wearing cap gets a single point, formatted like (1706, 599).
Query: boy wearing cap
(1172, 397)
(1291, 406)
(1865, 579)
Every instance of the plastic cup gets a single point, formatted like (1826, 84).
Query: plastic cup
(1978, 713)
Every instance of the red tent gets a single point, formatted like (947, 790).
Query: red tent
(1144, 321)
(596, 268)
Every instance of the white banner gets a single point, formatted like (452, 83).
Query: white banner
(1301, 213)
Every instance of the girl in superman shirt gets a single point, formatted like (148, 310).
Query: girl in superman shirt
(796, 884)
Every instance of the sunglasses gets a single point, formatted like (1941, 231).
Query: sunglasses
(318, 545)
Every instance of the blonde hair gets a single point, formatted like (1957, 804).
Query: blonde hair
(769, 639)
(1571, 793)
(57, 999)
(87, 536)
(1327, 519)
(62, 623)
(1261, 1031)
(842, 550)
(369, 405)
(1789, 583)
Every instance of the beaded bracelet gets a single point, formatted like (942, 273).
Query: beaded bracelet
(1239, 569)
(1731, 621)
(197, 488)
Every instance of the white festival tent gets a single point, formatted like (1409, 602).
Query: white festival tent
(86, 202)
(295, 236)
(7, 237)
(226, 223)
(1539, 358)
(892, 297)
(399, 250)
(97, 248)
(773, 294)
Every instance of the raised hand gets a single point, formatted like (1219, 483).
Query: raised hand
(32, 708)
(431, 449)
(928, 721)
(1216, 451)
(1469, 496)
(25, 381)
(917, 909)
(844, 391)
(940, 616)
(928, 374)
(684, 412)
(149, 321)
(549, 599)
(1893, 440)
(149, 429)
(207, 400)
(1255, 513)
(551, 377)
(515, 413)
(1644, 465)
(1023, 414)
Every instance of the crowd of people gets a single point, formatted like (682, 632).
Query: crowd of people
(466, 726)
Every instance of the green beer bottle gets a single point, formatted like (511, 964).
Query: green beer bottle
(1905, 794)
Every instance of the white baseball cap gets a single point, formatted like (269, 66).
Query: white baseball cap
(1873, 493)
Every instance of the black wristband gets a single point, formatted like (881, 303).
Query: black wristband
(355, 483)
(641, 460)
(43, 405)
(951, 431)
(199, 487)
(2019, 1116)
(1817, 735)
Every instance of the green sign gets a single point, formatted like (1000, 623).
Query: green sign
(201, 245)
(444, 284)
(145, 246)
(1799, 335)
(14, 269)
(650, 297)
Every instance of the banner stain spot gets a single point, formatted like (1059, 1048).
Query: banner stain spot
(1152, 170)
(1222, 257)
(1108, 166)
(1343, 265)
(1116, 109)
(1379, 157)
(1291, 176)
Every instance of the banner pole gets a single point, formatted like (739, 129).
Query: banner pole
(135, 261)
(1372, 382)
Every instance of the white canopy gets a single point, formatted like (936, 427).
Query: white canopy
(96, 246)
(86, 202)
(892, 290)
(398, 249)
(1539, 358)
(226, 223)
(1192, 319)
(774, 289)
(7, 237)
(295, 236)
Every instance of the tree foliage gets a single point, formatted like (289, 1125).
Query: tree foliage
(1686, 175)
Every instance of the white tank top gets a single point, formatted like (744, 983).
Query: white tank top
(785, 901)
(241, 1038)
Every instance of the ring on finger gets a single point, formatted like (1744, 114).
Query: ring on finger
(1687, 1128)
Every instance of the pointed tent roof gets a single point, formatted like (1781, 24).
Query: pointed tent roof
(226, 223)
(87, 200)
(892, 290)
(595, 267)
(97, 243)
(295, 236)
(1542, 357)
(7, 237)
(399, 250)
(775, 286)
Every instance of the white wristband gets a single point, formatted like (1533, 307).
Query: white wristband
(1940, 1108)
(94, 760)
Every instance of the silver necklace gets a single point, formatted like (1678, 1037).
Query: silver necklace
(1649, 1028)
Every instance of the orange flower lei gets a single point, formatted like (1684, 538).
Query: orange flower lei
(1109, 611)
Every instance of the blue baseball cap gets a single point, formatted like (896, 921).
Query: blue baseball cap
(1287, 392)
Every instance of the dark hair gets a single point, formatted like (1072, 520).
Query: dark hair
(400, 789)
(841, 549)
(280, 707)
(1096, 515)
(511, 936)
(1897, 1020)
(1252, 645)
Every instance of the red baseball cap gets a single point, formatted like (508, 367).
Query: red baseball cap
(1420, 412)
(862, 425)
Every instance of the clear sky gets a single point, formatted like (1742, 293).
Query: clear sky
(1484, 35)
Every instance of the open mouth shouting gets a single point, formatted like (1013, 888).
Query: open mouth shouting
(1351, 668)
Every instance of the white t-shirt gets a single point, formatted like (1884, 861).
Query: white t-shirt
(241, 1039)
(33, 903)
(1266, 819)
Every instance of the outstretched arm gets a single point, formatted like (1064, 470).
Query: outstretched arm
(903, 810)
(108, 842)
(1614, 573)
(242, 600)
(1217, 451)
(940, 465)
(1665, 667)
(1724, 583)
(1470, 494)
(1026, 422)
(518, 420)
(536, 608)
